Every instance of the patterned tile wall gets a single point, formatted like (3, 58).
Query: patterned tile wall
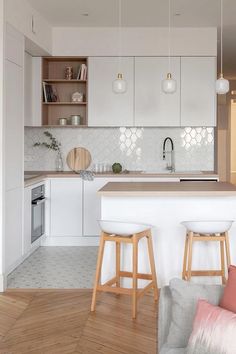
(134, 148)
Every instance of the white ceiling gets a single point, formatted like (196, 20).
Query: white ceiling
(142, 13)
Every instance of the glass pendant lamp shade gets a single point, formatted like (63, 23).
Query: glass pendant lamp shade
(222, 85)
(119, 85)
(169, 85)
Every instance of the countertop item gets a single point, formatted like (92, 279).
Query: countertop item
(78, 159)
(168, 189)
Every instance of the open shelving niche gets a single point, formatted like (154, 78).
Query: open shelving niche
(53, 72)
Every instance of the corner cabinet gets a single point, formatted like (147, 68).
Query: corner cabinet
(198, 97)
(106, 108)
(153, 107)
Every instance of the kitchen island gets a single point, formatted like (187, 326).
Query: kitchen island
(165, 206)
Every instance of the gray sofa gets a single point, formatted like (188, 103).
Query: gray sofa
(164, 321)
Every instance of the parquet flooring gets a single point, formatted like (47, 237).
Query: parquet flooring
(60, 322)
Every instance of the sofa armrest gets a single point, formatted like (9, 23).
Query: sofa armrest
(164, 315)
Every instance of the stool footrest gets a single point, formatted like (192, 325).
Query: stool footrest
(116, 290)
(206, 273)
(208, 238)
(125, 291)
(139, 275)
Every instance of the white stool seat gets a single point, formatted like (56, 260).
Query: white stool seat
(208, 227)
(122, 228)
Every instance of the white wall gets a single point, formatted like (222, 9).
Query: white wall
(135, 41)
(2, 56)
(19, 14)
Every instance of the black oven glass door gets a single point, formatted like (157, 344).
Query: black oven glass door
(38, 219)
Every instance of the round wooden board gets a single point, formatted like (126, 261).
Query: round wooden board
(78, 159)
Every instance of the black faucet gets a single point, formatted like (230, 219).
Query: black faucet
(171, 167)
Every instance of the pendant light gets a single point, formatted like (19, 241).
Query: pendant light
(169, 85)
(119, 85)
(222, 85)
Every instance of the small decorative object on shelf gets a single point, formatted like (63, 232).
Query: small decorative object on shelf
(77, 97)
(54, 145)
(75, 119)
(69, 73)
(62, 121)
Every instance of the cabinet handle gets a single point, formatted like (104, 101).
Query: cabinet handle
(33, 25)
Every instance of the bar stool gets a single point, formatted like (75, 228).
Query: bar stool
(131, 233)
(206, 231)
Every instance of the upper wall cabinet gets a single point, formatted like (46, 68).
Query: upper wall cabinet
(153, 107)
(106, 108)
(198, 98)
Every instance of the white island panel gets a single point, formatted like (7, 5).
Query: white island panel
(166, 215)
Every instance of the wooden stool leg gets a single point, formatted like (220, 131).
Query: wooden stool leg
(152, 265)
(98, 270)
(185, 257)
(227, 248)
(190, 254)
(222, 257)
(135, 279)
(118, 264)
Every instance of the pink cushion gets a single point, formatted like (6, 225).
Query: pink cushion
(213, 330)
(228, 300)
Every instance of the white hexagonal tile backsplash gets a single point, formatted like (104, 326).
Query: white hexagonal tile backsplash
(134, 148)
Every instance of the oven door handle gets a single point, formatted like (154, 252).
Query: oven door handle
(38, 202)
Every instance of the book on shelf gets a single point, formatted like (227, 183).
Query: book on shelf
(50, 93)
(82, 72)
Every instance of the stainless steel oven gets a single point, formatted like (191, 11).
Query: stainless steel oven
(38, 212)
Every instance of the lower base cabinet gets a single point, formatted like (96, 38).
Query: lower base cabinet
(14, 228)
(66, 207)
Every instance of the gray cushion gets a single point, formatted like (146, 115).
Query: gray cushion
(185, 296)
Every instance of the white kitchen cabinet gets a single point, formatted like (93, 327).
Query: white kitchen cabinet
(92, 201)
(33, 91)
(66, 207)
(37, 31)
(27, 220)
(106, 108)
(153, 107)
(13, 228)
(14, 147)
(198, 97)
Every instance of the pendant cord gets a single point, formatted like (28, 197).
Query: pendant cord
(169, 40)
(221, 37)
(119, 31)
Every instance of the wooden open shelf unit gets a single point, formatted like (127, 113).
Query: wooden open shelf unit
(53, 73)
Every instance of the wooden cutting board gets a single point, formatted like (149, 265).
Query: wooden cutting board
(78, 159)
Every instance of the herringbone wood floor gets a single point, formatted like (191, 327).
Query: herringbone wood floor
(60, 322)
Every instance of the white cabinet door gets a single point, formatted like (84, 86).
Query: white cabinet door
(14, 135)
(13, 228)
(66, 207)
(153, 107)
(198, 97)
(106, 108)
(14, 46)
(27, 220)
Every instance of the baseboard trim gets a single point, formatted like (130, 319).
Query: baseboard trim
(70, 241)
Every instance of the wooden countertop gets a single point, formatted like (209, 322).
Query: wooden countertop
(38, 176)
(153, 189)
